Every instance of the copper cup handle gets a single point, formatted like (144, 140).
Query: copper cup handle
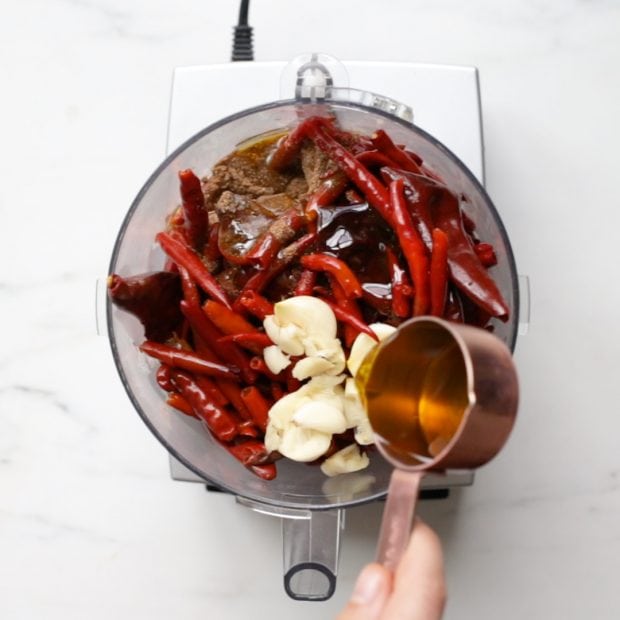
(397, 516)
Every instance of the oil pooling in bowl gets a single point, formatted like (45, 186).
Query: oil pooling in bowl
(415, 390)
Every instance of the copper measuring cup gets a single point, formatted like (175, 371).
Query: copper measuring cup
(459, 380)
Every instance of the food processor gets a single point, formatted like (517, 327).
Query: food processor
(201, 131)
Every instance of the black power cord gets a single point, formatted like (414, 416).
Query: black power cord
(242, 39)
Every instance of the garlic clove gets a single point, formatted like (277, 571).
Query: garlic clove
(344, 461)
(321, 416)
(356, 415)
(303, 444)
(363, 344)
(276, 360)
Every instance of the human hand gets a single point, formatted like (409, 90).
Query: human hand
(416, 591)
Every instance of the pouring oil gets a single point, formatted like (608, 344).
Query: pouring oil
(414, 387)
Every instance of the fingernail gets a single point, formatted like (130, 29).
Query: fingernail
(367, 586)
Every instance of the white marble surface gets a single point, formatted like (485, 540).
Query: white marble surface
(90, 523)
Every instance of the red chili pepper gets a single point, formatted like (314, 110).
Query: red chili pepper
(257, 363)
(376, 158)
(257, 405)
(232, 391)
(184, 256)
(338, 268)
(190, 292)
(179, 403)
(374, 191)
(229, 352)
(400, 286)
(412, 247)
(212, 248)
(253, 341)
(350, 319)
(254, 303)
(439, 272)
(266, 471)
(193, 204)
(466, 270)
(289, 146)
(249, 452)
(486, 254)
(153, 298)
(384, 143)
(306, 282)
(266, 248)
(248, 429)
(177, 358)
(212, 390)
(163, 378)
(260, 279)
(227, 320)
(327, 194)
(219, 421)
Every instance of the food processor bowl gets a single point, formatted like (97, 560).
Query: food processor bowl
(300, 491)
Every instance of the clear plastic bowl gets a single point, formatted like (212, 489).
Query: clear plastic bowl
(297, 486)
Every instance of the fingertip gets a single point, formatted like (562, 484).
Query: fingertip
(370, 594)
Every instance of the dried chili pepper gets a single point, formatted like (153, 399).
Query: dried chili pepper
(306, 282)
(266, 248)
(193, 204)
(266, 471)
(153, 298)
(163, 378)
(232, 391)
(190, 292)
(374, 191)
(229, 352)
(384, 144)
(486, 254)
(401, 291)
(336, 267)
(257, 363)
(327, 194)
(412, 247)
(257, 405)
(184, 256)
(466, 270)
(349, 318)
(219, 421)
(288, 147)
(252, 341)
(227, 320)
(420, 193)
(254, 303)
(179, 403)
(260, 279)
(439, 272)
(375, 158)
(178, 358)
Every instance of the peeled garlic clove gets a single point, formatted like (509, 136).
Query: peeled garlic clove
(311, 367)
(344, 461)
(276, 360)
(311, 314)
(320, 416)
(303, 444)
(282, 410)
(356, 415)
(363, 344)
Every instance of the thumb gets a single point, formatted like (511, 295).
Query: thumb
(370, 594)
